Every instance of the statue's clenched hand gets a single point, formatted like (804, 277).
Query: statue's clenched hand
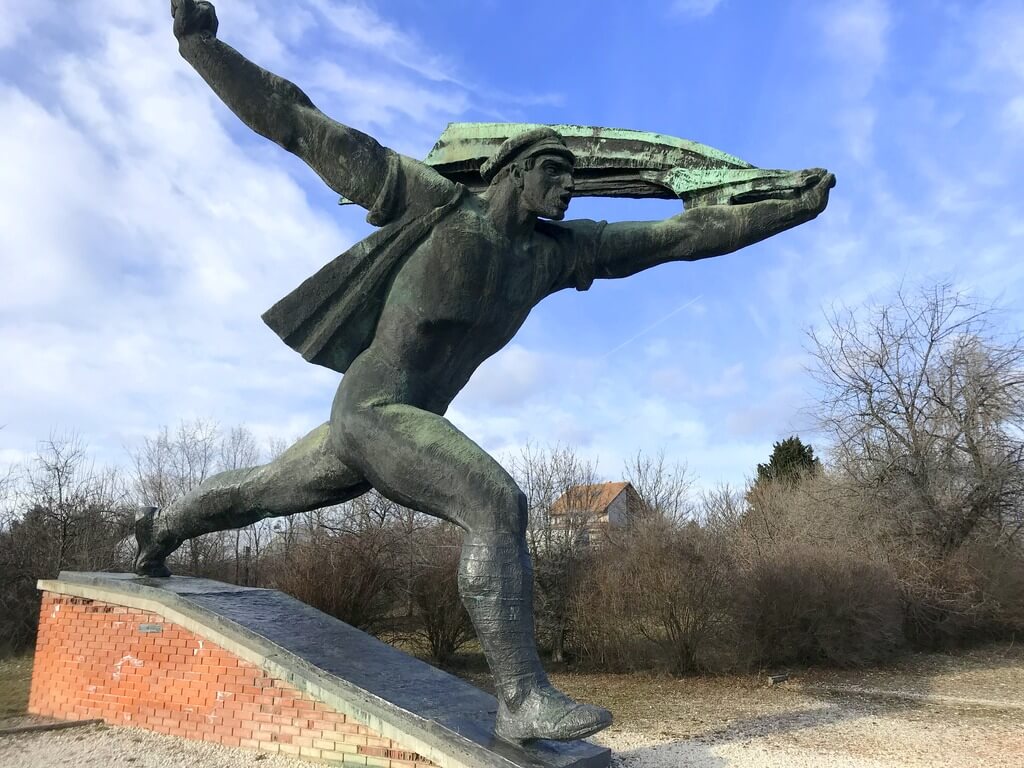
(191, 18)
(815, 195)
(812, 191)
(809, 196)
(807, 189)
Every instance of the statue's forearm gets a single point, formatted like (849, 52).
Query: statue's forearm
(700, 233)
(722, 229)
(262, 100)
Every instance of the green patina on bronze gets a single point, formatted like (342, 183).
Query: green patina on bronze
(614, 162)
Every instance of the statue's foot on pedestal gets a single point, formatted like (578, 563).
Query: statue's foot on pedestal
(548, 714)
(150, 560)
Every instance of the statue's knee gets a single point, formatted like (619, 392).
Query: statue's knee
(351, 430)
(507, 512)
(522, 512)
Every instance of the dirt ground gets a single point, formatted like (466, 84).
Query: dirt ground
(962, 711)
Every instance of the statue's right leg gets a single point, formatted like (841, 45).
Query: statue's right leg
(421, 460)
(307, 476)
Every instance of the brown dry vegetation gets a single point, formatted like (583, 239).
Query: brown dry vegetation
(15, 677)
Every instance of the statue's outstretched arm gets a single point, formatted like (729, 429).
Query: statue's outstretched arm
(350, 162)
(699, 233)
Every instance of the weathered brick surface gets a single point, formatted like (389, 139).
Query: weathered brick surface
(94, 661)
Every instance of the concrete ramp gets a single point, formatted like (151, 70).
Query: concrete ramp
(258, 669)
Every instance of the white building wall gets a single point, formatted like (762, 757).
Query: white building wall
(618, 511)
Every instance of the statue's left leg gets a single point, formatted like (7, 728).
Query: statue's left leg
(420, 460)
(307, 476)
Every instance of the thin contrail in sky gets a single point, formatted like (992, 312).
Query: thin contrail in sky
(651, 327)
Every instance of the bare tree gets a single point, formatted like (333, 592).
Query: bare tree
(67, 514)
(173, 463)
(561, 490)
(663, 487)
(78, 503)
(924, 400)
(238, 450)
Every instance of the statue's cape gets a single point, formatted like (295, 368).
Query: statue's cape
(332, 316)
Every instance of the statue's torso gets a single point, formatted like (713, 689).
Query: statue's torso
(460, 296)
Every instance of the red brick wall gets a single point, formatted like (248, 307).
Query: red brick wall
(92, 661)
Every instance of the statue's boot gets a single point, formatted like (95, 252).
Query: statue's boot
(154, 544)
(547, 713)
(496, 583)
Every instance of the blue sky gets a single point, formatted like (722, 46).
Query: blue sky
(143, 230)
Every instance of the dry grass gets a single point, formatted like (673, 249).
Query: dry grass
(994, 673)
(15, 677)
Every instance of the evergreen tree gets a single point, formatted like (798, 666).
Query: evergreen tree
(790, 460)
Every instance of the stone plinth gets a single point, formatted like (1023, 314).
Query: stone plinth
(256, 669)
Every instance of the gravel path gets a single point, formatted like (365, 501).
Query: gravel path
(942, 716)
(843, 735)
(849, 734)
(102, 746)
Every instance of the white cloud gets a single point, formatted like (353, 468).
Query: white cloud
(513, 375)
(140, 248)
(145, 230)
(856, 33)
(999, 37)
(695, 8)
(17, 19)
(1013, 116)
(386, 102)
(607, 411)
(359, 24)
(855, 37)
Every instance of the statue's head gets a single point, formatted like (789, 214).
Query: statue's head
(539, 166)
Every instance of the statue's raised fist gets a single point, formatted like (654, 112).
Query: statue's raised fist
(191, 18)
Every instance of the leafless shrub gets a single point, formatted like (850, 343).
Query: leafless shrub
(441, 622)
(341, 560)
(659, 599)
(1000, 572)
(975, 595)
(805, 605)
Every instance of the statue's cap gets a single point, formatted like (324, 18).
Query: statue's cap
(529, 143)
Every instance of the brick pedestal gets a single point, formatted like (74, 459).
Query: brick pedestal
(257, 669)
(96, 659)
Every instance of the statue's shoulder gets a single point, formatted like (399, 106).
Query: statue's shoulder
(572, 230)
(409, 188)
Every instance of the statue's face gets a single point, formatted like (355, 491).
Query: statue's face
(547, 187)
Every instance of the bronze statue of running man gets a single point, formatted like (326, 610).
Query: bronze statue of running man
(408, 315)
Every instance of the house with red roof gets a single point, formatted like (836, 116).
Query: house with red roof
(596, 509)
